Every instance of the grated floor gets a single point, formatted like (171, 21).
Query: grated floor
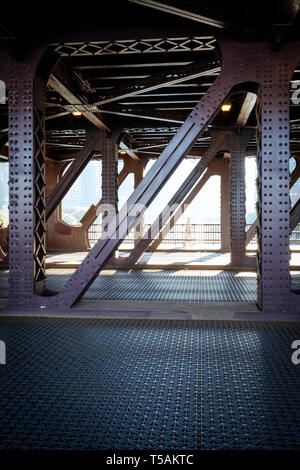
(165, 285)
(195, 285)
(124, 384)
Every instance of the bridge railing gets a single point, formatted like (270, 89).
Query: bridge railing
(199, 234)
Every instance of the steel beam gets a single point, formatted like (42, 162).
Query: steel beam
(95, 141)
(109, 183)
(150, 44)
(218, 143)
(295, 215)
(240, 63)
(182, 207)
(26, 180)
(160, 80)
(225, 206)
(93, 212)
(165, 7)
(293, 179)
(246, 109)
(218, 167)
(131, 213)
(238, 146)
(63, 90)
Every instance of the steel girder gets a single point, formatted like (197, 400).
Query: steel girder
(172, 209)
(241, 63)
(294, 177)
(91, 215)
(218, 167)
(95, 141)
(160, 80)
(109, 183)
(26, 180)
(295, 215)
(136, 46)
(238, 144)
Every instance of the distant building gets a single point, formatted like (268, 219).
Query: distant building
(87, 188)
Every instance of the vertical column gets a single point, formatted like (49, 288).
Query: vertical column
(39, 149)
(109, 181)
(26, 184)
(139, 167)
(273, 183)
(225, 206)
(237, 203)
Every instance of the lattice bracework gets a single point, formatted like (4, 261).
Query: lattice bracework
(241, 63)
(136, 46)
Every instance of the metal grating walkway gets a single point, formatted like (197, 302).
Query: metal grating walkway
(172, 285)
(124, 384)
(169, 285)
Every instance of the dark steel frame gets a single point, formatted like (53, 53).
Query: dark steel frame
(240, 63)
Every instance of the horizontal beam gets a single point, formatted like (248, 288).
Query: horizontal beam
(61, 89)
(156, 116)
(130, 65)
(166, 8)
(157, 81)
(127, 47)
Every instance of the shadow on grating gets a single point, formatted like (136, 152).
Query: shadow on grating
(168, 285)
(164, 285)
(141, 384)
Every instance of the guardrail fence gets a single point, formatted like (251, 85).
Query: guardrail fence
(200, 234)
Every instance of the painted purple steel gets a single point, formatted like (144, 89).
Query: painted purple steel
(225, 207)
(219, 142)
(238, 145)
(109, 206)
(295, 217)
(181, 209)
(240, 63)
(217, 167)
(92, 213)
(95, 141)
(26, 180)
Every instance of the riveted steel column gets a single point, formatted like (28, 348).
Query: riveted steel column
(26, 182)
(139, 166)
(109, 181)
(274, 182)
(238, 198)
(240, 63)
(225, 206)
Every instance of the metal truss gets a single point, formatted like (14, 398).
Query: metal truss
(240, 63)
(95, 141)
(159, 80)
(219, 143)
(238, 144)
(92, 213)
(293, 179)
(136, 46)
